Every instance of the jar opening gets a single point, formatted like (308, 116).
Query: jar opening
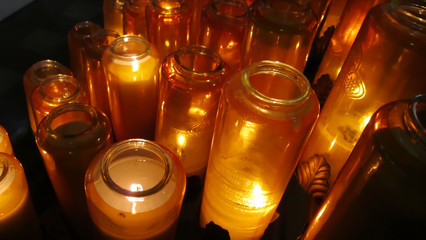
(130, 48)
(60, 88)
(47, 68)
(84, 29)
(231, 8)
(168, 7)
(199, 59)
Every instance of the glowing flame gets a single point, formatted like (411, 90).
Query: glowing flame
(257, 198)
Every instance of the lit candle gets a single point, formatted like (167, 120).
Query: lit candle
(113, 15)
(131, 72)
(5, 144)
(18, 219)
(135, 190)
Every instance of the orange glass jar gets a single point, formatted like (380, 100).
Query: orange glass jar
(113, 15)
(131, 72)
(68, 139)
(135, 190)
(5, 144)
(191, 82)
(168, 26)
(223, 26)
(134, 13)
(34, 76)
(265, 115)
(196, 8)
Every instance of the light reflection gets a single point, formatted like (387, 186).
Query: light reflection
(257, 198)
(135, 187)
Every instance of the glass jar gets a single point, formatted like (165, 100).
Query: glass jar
(386, 63)
(168, 23)
(223, 26)
(18, 218)
(196, 8)
(34, 76)
(280, 31)
(5, 144)
(56, 91)
(68, 139)
(131, 72)
(265, 115)
(191, 80)
(380, 192)
(134, 13)
(135, 190)
(92, 52)
(113, 15)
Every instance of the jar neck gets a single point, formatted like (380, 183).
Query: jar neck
(43, 69)
(82, 30)
(410, 14)
(230, 8)
(415, 119)
(100, 40)
(168, 7)
(131, 168)
(130, 48)
(60, 89)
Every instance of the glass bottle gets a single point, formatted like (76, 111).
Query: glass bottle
(56, 91)
(113, 15)
(5, 144)
(68, 139)
(135, 190)
(134, 13)
(280, 31)
(385, 64)
(75, 39)
(92, 52)
(34, 76)
(131, 72)
(223, 26)
(168, 26)
(265, 115)
(18, 218)
(380, 192)
(191, 80)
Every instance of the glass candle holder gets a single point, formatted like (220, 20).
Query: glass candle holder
(135, 190)
(265, 115)
(383, 65)
(18, 218)
(168, 26)
(223, 26)
(380, 192)
(191, 80)
(56, 91)
(134, 13)
(131, 72)
(75, 39)
(279, 31)
(92, 57)
(68, 139)
(195, 28)
(113, 15)
(5, 144)
(34, 76)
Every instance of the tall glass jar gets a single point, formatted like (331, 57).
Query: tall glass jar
(131, 72)
(68, 139)
(56, 91)
(134, 13)
(168, 25)
(34, 76)
(92, 52)
(196, 8)
(191, 80)
(18, 218)
(386, 63)
(280, 31)
(223, 26)
(135, 190)
(113, 15)
(265, 115)
(5, 144)
(380, 192)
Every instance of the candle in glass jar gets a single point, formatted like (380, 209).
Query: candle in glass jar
(135, 190)
(113, 15)
(131, 72)
(5, 144)
(134, 17)
(18, 218)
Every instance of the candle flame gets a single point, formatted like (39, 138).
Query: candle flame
(257, 198)
(181, 140)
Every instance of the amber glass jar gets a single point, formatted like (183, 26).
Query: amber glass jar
(113, 15)
(135, 190)
(68, 139)
(196, 8)
(265, 115)
(380, 192)
(5, 144)
(134, 15)
(191, 80)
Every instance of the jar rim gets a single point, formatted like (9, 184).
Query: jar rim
(200, 50)
(238, 4)
(142, 52)
(46, 64)
(60, 78)
(417, 106)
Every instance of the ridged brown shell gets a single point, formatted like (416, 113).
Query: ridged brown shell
(313, 176)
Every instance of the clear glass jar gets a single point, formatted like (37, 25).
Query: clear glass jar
(113, 15)
(68, 139)
(223, 26)
(135, 190)
(18, 218)
(92, 52)
(168, 26)
(191, 82)
(5, 144)
(131, 72)
(265, 115)
(34, 76)
(380, 192)
(134, 13)
(280, 31)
